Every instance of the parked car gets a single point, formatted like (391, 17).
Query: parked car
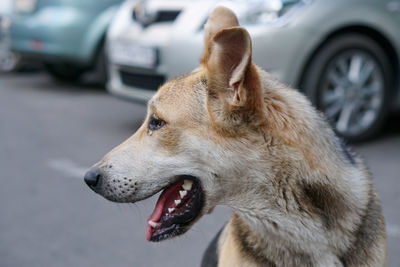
(343, 54)
(66, 35)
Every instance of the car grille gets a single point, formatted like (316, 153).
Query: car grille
(160, 16)
(142, 81)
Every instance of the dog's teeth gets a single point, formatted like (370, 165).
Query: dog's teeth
(178, 201)
(170, 210)
(183, 193)
(152, 224)
(187, 185)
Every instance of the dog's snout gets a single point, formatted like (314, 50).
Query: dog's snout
(92, 177)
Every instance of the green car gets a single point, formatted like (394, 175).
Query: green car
(67, 36)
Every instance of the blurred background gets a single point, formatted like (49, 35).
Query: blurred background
(74, 80)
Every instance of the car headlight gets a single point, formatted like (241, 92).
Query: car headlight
(264, 11)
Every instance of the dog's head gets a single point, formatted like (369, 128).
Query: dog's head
(198, 137)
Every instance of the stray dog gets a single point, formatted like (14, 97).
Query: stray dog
(230, 134)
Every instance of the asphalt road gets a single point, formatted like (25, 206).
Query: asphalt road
(50, 134)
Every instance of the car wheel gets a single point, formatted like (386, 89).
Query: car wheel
(64, 72)
(350, 80)
(9, 61)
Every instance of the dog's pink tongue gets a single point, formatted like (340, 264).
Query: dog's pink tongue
(165, 201)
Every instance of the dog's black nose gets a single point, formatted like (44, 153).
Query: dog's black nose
(92, 177)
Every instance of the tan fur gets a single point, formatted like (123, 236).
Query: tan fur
(260, 148)
(231, 253)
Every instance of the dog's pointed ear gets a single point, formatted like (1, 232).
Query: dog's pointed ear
(234, 87)
(219, 19)
(229, 61)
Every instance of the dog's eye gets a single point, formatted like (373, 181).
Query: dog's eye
(155, 124)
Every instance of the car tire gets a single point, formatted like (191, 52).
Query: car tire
(9, 61)
(326, 78)
(64, 72)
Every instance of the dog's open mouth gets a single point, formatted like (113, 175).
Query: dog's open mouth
(178, 205)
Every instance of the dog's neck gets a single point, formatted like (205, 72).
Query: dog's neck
(274, 251)
(276, 215)
(280, 215)
(259, 243)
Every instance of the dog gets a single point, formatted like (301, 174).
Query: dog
(228, 133)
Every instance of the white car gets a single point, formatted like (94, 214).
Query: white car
(343, 54)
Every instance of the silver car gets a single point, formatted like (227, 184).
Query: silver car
(343, 54)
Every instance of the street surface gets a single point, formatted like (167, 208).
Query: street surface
(49, 136)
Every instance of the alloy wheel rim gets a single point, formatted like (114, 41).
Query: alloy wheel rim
(352, 91)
